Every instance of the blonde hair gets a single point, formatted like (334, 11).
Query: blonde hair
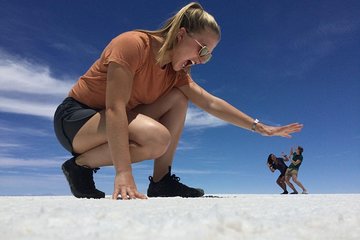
(193, 18)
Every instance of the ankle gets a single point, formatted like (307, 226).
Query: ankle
(157, 179)
(159, 176)
(79, 161)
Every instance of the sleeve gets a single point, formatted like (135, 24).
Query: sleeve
(127, 50)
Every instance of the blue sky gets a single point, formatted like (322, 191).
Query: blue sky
(278, 61)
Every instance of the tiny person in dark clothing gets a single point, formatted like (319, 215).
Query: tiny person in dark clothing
(275, 163)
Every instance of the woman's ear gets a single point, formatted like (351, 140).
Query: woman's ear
(181, 34)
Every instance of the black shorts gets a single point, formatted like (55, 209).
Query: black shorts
(69, 117)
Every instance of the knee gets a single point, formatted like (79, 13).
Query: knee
(162, 141)
(158, 140)
(296, 181)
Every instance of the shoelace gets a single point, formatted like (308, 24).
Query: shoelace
(175, 178)
(172, 177)
(88, 179)
(177, 181)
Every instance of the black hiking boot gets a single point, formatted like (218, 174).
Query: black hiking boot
(81, 180)
(170, 186)
(285, 192)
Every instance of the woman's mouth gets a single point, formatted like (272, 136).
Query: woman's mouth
(187, 63)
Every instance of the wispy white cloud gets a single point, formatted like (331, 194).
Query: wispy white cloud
(9, 162)
(325, 33)
(26, 107)
(71, 45)
(23, 130)
(10, 145)
(184, 146)
(318, 43)
(29, 88)
(203, 172)
(196, 118)
(32, 184)
(19, 75)
(338, 27)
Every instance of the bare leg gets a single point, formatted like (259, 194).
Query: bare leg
(287, 179)
(173, 119)
(92, 145)
(295, 179)
(154, 131)
(281, 182)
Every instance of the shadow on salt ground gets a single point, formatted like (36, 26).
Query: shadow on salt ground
(217, 196)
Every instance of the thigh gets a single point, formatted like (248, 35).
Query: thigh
(281, 178)
(163, 104)
(69, 117)
(294, 174)
(287, 175)
(93, 132)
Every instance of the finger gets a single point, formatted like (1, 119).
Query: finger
(115, 194)
(298, 127)
(124, 194)
(295, 129)
(131, 194)
(294, 125)
(140, 195)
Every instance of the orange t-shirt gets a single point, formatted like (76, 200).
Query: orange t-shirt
(134, 51)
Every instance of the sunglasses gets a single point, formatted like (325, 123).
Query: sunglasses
(204, 52)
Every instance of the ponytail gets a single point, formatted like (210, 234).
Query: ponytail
(192, 17)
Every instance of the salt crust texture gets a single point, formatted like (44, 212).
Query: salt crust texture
(313, 216)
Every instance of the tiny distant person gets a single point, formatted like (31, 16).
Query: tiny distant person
(293, 170)
(278, 163)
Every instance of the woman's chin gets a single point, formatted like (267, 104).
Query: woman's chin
(177, 68)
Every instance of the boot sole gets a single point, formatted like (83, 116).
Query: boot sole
(200, 194)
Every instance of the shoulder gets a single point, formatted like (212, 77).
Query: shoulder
(132, 38)
(129, 49)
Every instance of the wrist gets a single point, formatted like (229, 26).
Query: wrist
(123, 169)
(259, 128)
(255, 123)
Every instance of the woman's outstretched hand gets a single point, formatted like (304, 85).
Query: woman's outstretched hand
(124, 185)
(282, 131)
